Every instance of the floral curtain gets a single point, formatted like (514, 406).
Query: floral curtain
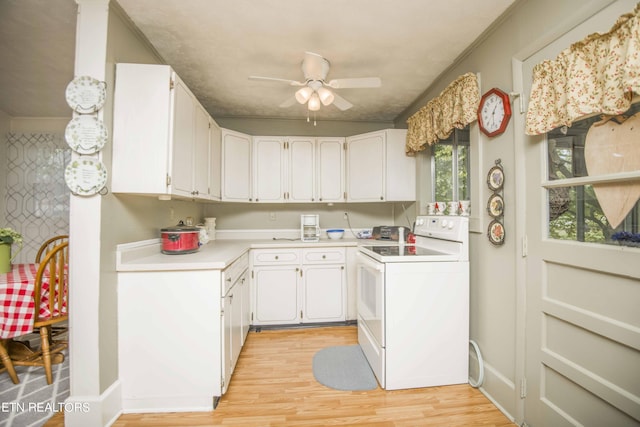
(596, 75)
(455, 107)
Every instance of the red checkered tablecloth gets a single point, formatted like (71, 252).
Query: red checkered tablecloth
(16, 300)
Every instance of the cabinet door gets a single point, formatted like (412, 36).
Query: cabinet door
(400, 181)
(201, 153)
(141, 115)
(236, 166)
(330, 175)
(366, 167)
(276, 295)
(301, 168)
(182, 139)
(236, 323)
(227, 342)
(269, 167)
(324, 297)
(215, 160)
(245, 293)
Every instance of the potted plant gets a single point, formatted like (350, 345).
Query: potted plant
(8, 237)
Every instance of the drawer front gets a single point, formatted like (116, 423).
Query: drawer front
(231, 274)
(324, 256)
(275, 256)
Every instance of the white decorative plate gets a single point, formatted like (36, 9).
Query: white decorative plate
(86, 134)
(85, 94)
(85, 176)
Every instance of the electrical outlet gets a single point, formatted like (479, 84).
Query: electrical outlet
(345, 216)
(172, 214)
(272, 216)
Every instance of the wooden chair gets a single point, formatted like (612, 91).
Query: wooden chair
(50, 244)
(51, 287)
(6, 361)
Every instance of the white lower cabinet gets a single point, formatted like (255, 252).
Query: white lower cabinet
(231, 312)
(169, 340)
(180, 334)
(294, 285)
(245, 317)
(324, 293)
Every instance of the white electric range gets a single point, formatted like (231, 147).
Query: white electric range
(413, 305)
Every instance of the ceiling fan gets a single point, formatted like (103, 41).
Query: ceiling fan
(316, 90)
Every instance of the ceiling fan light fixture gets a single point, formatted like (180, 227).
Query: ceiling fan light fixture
(303, 94)
(326, 96)
(314, 102)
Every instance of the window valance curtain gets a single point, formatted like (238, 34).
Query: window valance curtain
(596, 75)
(455, 107)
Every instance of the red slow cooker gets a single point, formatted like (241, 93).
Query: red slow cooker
(180, 240)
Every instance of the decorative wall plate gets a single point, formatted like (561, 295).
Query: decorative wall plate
(495, 178)
(495, 232)
(495, 206)
(86, 134)
(85, 94)
(85, 176)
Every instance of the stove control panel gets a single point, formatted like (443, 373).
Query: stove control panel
(454, 228)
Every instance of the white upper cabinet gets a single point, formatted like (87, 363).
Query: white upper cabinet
(400, 170)
(269, 169)
(378, 168)
(160, 135)
(236, 166)
(183, 138)
(201, 147)
(366, 167)
(301, 170)
(285, 169)
(330, 170)
(215, 160)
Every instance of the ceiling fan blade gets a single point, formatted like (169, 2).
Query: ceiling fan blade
(361, 82)
(314, 66)
(288, 102)
(341, 103)
(289, 82)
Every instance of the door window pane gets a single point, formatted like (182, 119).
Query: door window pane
(574, 211)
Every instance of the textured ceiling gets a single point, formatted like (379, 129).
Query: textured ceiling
(214, 45)
(37, 50)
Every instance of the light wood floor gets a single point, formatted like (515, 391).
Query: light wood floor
(273, 385)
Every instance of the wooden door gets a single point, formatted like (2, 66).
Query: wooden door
(582, 329)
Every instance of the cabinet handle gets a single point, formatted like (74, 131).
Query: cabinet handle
(324, 256)
(228, 279)
(381, 198)
(277, 257)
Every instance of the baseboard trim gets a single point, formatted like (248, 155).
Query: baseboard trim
(102, 410)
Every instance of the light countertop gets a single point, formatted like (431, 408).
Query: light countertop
(215, 255)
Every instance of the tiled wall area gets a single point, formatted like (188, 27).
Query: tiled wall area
(37, 198)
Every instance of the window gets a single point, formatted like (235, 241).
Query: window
(574, 211)
(450, 167)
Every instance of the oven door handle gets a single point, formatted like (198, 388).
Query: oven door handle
(369, 263)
